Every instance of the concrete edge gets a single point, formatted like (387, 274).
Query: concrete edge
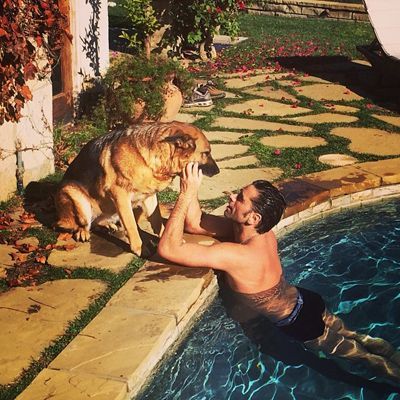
(184, 327)
(333, 205)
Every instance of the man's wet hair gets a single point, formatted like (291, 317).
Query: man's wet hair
(269, 203)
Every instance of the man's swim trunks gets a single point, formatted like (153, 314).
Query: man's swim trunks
(305, 321)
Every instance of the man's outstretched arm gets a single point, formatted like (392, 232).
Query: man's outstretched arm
(171, 245)
(200, 223)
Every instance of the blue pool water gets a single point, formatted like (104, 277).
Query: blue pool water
(353, 260)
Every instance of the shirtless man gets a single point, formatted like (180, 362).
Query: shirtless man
(249, 257)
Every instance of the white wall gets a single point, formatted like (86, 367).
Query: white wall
(89, 28)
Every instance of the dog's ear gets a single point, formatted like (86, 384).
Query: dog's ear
(181, 140)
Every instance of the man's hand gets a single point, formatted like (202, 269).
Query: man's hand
(191, 179)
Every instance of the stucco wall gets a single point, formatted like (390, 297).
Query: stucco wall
(32, 136)
(89, 28)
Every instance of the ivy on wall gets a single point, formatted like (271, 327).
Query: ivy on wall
(27, 28)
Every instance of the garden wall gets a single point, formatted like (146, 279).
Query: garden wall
(311, 8)
(30, 141)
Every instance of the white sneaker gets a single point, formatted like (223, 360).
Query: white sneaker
(198, 99)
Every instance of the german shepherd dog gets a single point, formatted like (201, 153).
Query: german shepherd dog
(123, 170)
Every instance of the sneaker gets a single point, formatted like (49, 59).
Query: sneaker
(212, 89)
(199, 98)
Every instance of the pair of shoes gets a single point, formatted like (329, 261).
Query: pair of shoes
(200, 98)
(212, 88)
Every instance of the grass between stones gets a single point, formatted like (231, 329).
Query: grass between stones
(113, 281)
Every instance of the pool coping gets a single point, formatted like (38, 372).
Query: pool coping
(155, 309)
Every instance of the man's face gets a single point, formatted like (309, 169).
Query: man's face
(240, 205)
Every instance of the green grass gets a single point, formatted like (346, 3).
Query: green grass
(273, 36)
(330, 33)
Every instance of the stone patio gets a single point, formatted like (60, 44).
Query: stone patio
(112, 357)
(370, 141)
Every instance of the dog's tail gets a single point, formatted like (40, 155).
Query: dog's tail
(73, 208)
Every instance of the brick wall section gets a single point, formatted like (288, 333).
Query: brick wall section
(310, 8)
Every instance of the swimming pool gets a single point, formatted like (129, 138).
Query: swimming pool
(352, 258)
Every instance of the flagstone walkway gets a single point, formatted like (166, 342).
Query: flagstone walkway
(267, 112)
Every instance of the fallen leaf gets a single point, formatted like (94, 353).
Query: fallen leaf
(19, 257)
(64, 236)
(26, 248)
(41, 259)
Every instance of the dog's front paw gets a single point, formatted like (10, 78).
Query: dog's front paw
(82, 235)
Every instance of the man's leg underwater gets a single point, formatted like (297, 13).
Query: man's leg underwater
(374, 345)
(337, 341)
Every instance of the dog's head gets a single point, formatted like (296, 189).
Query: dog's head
(190, 145)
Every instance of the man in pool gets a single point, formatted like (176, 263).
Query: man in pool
(248, 255)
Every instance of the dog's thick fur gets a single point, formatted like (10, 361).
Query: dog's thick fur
(125, 169)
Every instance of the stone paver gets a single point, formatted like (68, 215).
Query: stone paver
(197, 109)
(324, 91)
(238, 162)
(67, 385)
(388, 170)
(220, 151)
(324, 118)
(32, 317)
(164, 289)
(343, 180)
(98, 253)
(315, 79)
(265, 107)
(370, 141)
(188, 118)
(300, 194)
(388, 119)
(246, 123)
(337, 160)
(282, 141)
(230, 95)
(32, 241)
(5, 258)
(341, 108)
(289, 82)
(225, 136)
(270, 93)
(116, 343)
(231, 179)
(245, 81)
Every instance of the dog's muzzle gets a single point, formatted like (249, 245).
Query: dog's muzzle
(210, 168)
